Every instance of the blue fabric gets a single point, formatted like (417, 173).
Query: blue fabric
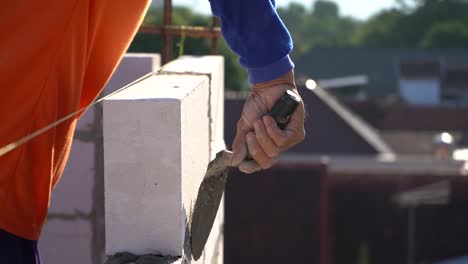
(253, 29)
(16, 250)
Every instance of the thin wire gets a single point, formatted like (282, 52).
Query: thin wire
(160, 71)
(5, 149)
(9, 147)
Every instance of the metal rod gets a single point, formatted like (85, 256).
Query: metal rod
(169, 31)
(214, 41)
(176, 31)
(167, 38)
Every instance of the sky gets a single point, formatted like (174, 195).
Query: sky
(361, 9)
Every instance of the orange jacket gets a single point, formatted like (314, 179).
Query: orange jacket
(55, 57)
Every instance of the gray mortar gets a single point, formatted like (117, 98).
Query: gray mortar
(129, 258)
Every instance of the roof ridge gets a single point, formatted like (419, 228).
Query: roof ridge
(364, 129)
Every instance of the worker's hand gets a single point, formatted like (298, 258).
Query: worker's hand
(258, 134)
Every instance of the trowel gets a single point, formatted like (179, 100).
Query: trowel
(211, 189)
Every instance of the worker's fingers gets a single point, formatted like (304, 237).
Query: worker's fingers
(295, 127)
(249, 167)
(239, 146)
(257, 153)
(265, 142)
(290, 136)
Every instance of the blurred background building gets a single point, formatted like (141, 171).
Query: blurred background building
(436, 77)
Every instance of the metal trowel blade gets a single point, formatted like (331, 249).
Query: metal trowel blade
(208, 199)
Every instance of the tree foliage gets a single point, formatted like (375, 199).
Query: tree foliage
(418, 24)
(376, 32)
(325, 9)
(320, 26)
(446, 34)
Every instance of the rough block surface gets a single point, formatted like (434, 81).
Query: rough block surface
(159, 136)
(213, 66)
(66, 242)
(144, 149)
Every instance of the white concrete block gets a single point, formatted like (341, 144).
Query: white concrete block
(74, 191)
(144, 145)
(214, 66)
(132, 67)
(65, 241)
(158, 139)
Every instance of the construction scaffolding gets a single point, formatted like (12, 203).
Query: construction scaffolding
(169, 31)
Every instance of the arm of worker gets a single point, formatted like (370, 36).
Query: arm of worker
(253, 29)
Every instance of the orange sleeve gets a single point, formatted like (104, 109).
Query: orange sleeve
(55, 57)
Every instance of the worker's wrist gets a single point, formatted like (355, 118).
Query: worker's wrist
(270, 72)
(286, 79)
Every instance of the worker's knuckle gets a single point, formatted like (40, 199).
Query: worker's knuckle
(258, 123)
(253, 150)
(282, 142)
(241, 125)
(260, 137)
(273, 153)
(250, 137)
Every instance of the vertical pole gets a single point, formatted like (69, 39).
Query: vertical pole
(167, 39)
(411, 234)
(214, 40)
(324, 196)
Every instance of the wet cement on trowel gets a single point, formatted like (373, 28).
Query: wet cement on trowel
(207, 203)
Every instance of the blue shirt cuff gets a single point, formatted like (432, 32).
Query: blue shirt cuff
(270, 72)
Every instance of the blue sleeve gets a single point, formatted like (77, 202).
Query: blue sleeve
(253, 29)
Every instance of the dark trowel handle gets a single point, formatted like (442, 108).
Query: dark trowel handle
(285, 107)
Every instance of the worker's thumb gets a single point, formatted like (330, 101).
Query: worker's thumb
(239, 149)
